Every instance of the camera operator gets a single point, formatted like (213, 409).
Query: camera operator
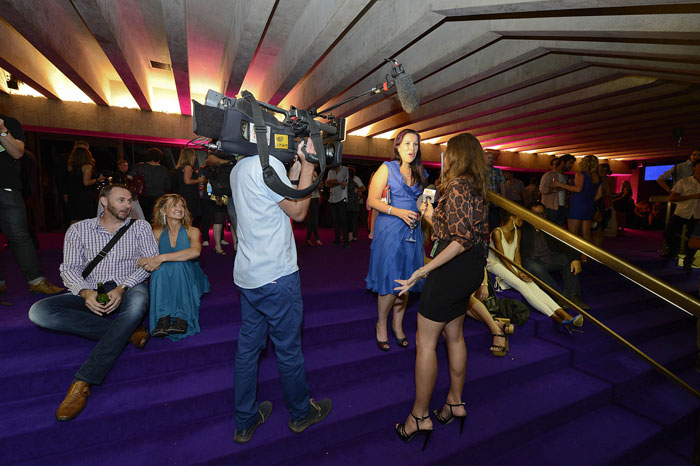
(267, 277)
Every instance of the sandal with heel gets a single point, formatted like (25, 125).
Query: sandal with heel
(401, 431)
(445, 421)
(501, 350)
(508, 328)
(402, 342)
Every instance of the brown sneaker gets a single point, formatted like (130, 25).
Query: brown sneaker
(74, 402)
(44, 287)
(140, 337)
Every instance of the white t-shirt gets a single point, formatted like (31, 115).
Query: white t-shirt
(689, 208)
(266, 248)
(358, 181)
(338, 193)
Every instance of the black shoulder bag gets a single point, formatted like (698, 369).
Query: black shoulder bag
(102, 254)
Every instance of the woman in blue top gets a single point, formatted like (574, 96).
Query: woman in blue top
(397, 243)
(586, 190)
(177, 280)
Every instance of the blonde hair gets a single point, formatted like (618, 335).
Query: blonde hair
(465, 158)
(187, 157)
(589, 164)
(159, 219)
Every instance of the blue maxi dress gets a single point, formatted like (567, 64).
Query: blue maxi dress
(391, 256)
(176, 287)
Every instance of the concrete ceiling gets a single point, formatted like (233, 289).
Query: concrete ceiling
(605, 77)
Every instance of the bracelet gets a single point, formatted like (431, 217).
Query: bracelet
(389, 211)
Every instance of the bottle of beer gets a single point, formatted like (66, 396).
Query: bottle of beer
(102, 296)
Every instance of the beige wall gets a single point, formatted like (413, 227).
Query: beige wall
(130, 124)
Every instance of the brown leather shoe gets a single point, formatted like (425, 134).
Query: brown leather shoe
(44, 287)
(74, 402)
(140, 337)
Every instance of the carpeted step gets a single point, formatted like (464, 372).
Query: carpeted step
(638, 327)
(44, 370)
(496, 421)
(359, 409)
(627, 371)
(637, 429)
(600, 437)
(156, 403)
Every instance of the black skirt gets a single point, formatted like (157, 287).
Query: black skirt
(447, 289)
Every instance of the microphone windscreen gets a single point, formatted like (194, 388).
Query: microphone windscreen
(407, 92)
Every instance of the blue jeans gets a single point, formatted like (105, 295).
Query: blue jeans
(13, 224)
(276, 307)
(557, 262)
(68, 313)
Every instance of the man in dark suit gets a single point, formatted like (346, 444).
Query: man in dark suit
(542, 253)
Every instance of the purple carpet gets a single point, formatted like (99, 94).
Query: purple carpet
(556, 399)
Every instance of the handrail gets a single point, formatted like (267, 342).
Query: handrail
(683, 301)
(604, 327)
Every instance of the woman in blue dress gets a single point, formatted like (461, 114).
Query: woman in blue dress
(397, 243)
(177, 280)
(586, 189)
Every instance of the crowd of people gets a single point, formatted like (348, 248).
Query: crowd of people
(118, 265)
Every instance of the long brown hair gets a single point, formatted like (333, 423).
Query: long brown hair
(465, 158)
(80, 156)
(417, 170)
(159, 219)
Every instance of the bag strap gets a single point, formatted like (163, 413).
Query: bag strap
(269, 174)
(102, 254)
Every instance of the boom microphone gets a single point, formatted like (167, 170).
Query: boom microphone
(407, 92)
(405, 89)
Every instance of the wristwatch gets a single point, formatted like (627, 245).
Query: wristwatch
(4, 133)
(125, 288)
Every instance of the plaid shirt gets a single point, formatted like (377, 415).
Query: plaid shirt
(85, 239)
(496, 177)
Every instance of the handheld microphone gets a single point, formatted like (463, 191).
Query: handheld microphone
(429, 193)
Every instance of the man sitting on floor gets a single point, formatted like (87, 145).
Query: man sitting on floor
(542, 253)
(80, 313)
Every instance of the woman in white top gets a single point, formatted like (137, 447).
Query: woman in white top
(506, 239)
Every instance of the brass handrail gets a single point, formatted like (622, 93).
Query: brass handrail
(648, 359)
(683, 301)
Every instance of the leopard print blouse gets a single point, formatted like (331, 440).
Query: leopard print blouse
(461, 215)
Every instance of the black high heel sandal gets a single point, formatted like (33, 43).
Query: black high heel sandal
(401, 431)
(445, 421)
(402, 342)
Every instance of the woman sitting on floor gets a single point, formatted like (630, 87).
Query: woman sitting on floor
(177, 281)
(500, 329)
(506, 239)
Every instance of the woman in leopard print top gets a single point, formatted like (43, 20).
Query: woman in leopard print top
(460, 222)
